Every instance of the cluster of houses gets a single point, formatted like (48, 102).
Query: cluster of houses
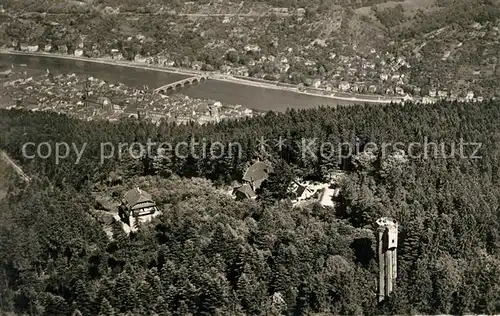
(350, 71)
(435, 96)
(377, 73)
(301, 192)
(138, 206)
(90, 98)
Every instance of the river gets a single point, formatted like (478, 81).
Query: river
(257, 98)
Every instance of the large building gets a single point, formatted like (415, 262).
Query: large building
(137, 206)
(255, 175)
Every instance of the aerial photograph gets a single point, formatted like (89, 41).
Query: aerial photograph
(249, 157)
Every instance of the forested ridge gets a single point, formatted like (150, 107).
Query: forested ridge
(210, 254)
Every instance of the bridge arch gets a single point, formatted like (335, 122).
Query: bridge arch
(168, 88)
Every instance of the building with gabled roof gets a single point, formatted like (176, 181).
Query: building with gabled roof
(137, 206)
(253, 178)
(257, 173)
(244, 192)
(301, 193)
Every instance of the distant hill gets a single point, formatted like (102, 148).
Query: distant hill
(380, 47)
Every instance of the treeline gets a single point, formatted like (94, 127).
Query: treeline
(209, 254)
(355, 125)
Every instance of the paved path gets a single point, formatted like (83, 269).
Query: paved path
(16, 168)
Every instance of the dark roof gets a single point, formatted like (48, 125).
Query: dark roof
(259, 171)
(137, 198)
(300, 190)
(247, 190)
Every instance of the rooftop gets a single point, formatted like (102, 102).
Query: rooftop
(247, 190)
(137, 198)
(259, 171)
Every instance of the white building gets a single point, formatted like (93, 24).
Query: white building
(327, 196)
(78, 53)
(470, 96)
(344, 86)
(137, 207)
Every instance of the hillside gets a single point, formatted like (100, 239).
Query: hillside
(376, 47)
(10, 180)
(268, 215)
(5, 173)
(210, 254)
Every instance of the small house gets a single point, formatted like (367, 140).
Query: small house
(244, 192)
(257, 173)
(32, 48)
(78, 52)
(253, 178)
(301, 193)
(470, 95)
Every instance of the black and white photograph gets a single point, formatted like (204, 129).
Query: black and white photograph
(249, 157)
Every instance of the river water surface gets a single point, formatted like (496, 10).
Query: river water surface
(226, 92)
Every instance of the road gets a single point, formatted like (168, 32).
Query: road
(249, 15)
(16, 168)
(218, 77)
(195, 15)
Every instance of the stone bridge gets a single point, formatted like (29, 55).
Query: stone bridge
(181, 84)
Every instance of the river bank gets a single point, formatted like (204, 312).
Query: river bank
(215, 76)
(91, 98)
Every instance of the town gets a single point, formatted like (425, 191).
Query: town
(412, 70)
(90, 98)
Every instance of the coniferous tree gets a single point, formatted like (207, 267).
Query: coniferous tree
(106, 309)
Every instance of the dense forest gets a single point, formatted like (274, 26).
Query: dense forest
(208, 254)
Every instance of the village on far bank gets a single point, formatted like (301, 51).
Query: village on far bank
(90, 98)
